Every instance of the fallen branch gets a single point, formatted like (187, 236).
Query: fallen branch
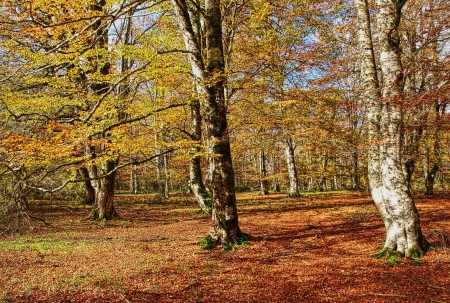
(39, 219)
(429, 285)
(388, 295)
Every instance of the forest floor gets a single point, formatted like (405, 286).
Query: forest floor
(316, 248)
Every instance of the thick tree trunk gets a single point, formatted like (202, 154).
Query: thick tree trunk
(262, 174)
(292, 170)
(103, 185)
(372, 94)
(210, 79)
(89, 196)
(224, 214)
(387, 181)
(103, 182)
(404, 233)
(104, 194)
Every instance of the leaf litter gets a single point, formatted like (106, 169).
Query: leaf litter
(302, 250)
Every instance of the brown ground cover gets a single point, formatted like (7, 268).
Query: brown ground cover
(311, 249)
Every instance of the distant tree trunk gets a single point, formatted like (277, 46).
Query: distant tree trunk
(161, 172)
(292, 170)
(262, 174)
(133, 180)
(441, 180)
(409, 166)
(355, 175)
(158, 175)
(323, 184)
(166, 177)
(275, 170)
(429, 176)
(210, 77)
(388, 183)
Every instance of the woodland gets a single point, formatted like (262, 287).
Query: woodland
(301, 134)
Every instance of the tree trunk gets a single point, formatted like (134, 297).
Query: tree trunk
(195, 173)
(387, 181)
(134, 187)
(262, 174)
(355, 175)
(409, 170)
(292, 170)
(166, 177)
(104, 194)
(430, 175)
(89, 197)
(210, 79)
(103, 185)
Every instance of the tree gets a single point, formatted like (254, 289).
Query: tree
(81, 87)
(387, 182)
(210, 81)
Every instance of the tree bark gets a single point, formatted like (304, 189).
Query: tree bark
(430, 176)
(166, 177)
(210, 79)
(103, 185)
(195, 173)
(103, 208)
(409, 166)
(355, 173)
(292, 170)
(388, 183)
(89, 196)
(262, 174)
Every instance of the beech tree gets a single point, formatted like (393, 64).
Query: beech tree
(388, 184)
(79, 92)
(208, 69)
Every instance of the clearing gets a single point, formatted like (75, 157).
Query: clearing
(316, 248)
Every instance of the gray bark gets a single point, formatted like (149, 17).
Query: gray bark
(386, 178)
(210, 79)
(292, 170)
(103, 207)
(89, 197)
(195, 173)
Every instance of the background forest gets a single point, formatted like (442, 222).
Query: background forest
(104, 97)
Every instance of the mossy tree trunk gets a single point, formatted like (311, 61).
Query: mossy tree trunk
(102, 180)
(104, 194)
(387, 181)
(209, 72)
